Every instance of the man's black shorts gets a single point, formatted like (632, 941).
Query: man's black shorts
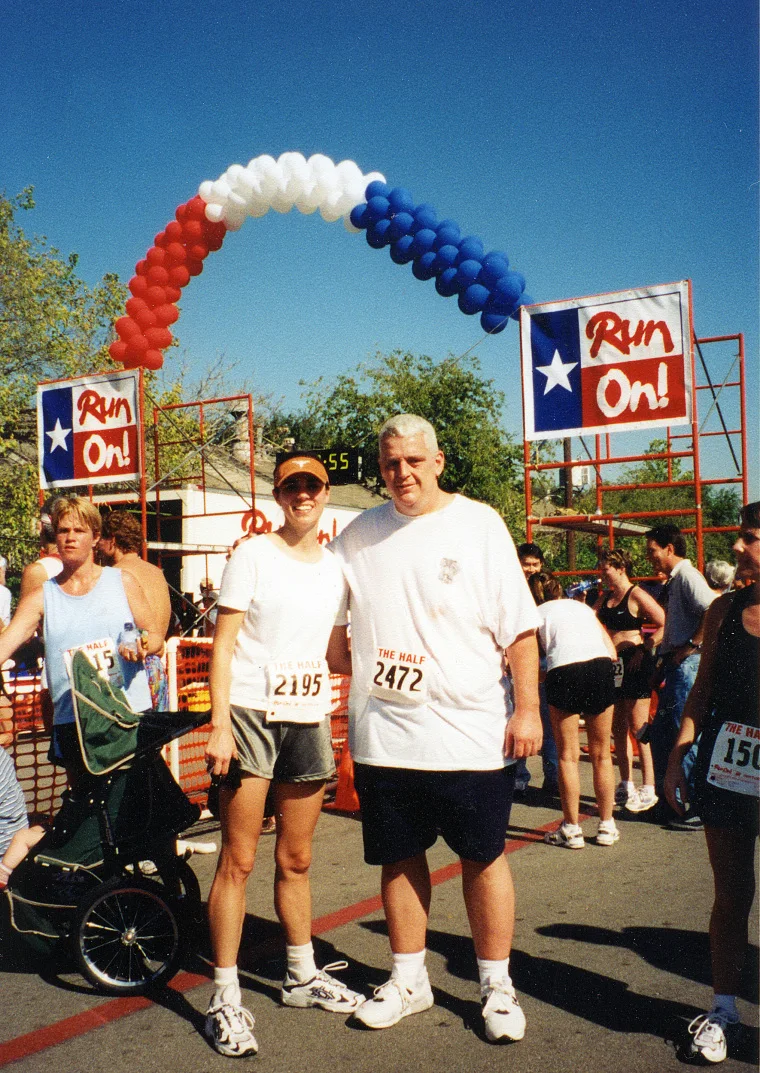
(404, 811)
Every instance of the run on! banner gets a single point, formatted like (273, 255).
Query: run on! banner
(87, 430)
(610, 362)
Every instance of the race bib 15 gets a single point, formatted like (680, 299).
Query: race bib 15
(735, 760)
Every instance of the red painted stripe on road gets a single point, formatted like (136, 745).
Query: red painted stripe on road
(81, 1023)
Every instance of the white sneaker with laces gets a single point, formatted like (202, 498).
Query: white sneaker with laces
(624, 792)
(230, 1030)
(567, 836)
(642, 800)
(323, 991)
(505, 1021)
(608, 834)
(710, 1032)
(392, 1001)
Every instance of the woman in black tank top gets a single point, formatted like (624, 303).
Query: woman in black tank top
(623, 609)
(723, 706)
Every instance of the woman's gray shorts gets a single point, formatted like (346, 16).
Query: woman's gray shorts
(287, 752)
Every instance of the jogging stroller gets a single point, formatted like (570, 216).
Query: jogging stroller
(82, 886)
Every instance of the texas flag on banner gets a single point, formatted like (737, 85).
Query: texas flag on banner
(607, 363)
(87, 430)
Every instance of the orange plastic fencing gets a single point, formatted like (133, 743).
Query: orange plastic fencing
(24, 737)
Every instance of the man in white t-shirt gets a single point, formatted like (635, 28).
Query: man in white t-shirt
(437, 597)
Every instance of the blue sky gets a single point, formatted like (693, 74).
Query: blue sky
(602, 145)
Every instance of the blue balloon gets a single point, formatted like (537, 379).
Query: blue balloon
(467, 273)
(506, 293)
(474, 298)
(377, 234)
(401, 250)
(401, 200)
(446, 257)
(525, 300)
(359, 215)
(496, 255)
(423, 266)
(493, 269)
(377, 189)
(401, 224)
(445, 284)
(423, 241)
(452, 230)
(425, 216)
(493, 323)
(378, 207)
(470, 249)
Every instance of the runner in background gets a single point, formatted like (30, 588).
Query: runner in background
(724, 707)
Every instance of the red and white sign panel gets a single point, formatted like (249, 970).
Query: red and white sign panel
(607, 362)
(87, 430)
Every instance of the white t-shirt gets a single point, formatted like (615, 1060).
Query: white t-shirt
(434, 601)
(570, 633)
(5, 605)
(290, 610)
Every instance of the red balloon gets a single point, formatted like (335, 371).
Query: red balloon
(127, 328)
(155, 296)
(196, 208)
(179, 276)
(137, 346)
(181, 213)
(213, 230)
(173, 231)
(146, 318)
(159, 338)
(194, 267)
(156, 256)
(157, 276)
(166, 315)
(192, 230)
(118, 350)
(173, 294)
(160, 239)
(136, 305)
(141, 268)
(153, 359)
(176, 253)
(197, 251)
(130, 362)
(138, 285)
(213, 243)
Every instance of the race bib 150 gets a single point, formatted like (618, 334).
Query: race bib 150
(735, 761)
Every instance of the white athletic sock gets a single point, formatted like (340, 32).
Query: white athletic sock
(410, 969)
(226, 986)
(492, 971)
(726, 1004)
(301, 964)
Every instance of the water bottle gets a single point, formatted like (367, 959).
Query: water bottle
(579, 587)
(129, 637)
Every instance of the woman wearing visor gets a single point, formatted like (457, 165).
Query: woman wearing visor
(279, 600)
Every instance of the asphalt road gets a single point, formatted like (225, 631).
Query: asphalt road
(610, 962)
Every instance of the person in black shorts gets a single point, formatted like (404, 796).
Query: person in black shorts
(623, 609)
(724, 707)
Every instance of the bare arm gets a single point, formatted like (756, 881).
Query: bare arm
(221, 747)
(524, 734)
(143, 617)
(23, 624)
(648, 610)
(33, 577)
(697, 704)
(338, 652)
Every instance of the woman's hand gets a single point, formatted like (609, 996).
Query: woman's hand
(674, 784)
(220, 749)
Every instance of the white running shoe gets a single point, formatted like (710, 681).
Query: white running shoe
(608, 834)
(642, 800)
(230, 1030)
(323, 991)
(624, 792)
(710, 1032)
(567, 836)
(505, 1021)
(392, 1001)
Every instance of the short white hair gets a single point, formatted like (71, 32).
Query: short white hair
(719, 574)
(408, 425)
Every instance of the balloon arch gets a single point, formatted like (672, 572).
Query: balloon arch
(483, 282)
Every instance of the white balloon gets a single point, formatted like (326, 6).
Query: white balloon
(214, 213)
(309, 201)
(281, 203)
(204, 190)
(234, 217)
(329, 215)
(350, 227)
(220, 190)
(319, 164)
(233, 173)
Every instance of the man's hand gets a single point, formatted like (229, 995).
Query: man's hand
(220, 749)
(524, 735)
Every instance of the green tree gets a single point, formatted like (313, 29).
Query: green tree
(482, 459)
(52, 325)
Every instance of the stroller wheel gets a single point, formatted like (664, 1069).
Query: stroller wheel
(126, 937)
